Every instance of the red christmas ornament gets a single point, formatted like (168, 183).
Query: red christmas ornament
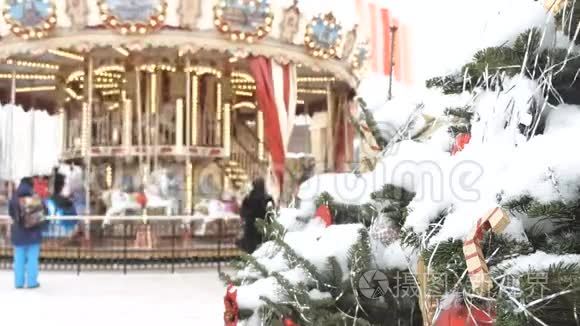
(461, 140)
(141, 199)
(323, 212)
(231, 306)
(459, 315)
(287, 321)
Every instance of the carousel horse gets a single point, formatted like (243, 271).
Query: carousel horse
(155, 195)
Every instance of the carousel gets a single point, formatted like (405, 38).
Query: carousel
(170, 108)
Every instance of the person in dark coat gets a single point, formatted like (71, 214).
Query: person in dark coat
(254, 206)
(26, 241)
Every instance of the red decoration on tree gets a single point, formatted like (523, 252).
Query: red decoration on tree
(323, 212)
(231, 306)
(461, 140)
(459, 315)
(287, 321)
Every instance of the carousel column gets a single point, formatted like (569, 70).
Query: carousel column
(87, 128)
(156, 108)
(225, 96)
(178, 94)
(190, 193)
(60, 105)
(330, 107)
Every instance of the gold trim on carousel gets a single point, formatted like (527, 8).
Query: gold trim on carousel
(244, 87)
(72, 94)
(310, 43)
(106, 70)
(159, 67)
(28, 76)
(242, 75)
(244, 104)
(121, 50)
(202, 70)
(67, 55)
(312, 91)
(32, 64)
(260, 31)
(75, 75)
(243, 93)
(111, 92)
(154, 23)
(313, 79)
(46, 88)
(35, 32)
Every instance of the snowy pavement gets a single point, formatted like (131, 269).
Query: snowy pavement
(100, 299)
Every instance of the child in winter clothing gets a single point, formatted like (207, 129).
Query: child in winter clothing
(26, 241)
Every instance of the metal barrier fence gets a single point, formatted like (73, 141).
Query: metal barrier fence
(85, 243)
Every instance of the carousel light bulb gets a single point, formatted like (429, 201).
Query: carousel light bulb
(260, 33)
(113, 22)
(133, 28)
(268, 28)
(46, 25)
(242, 36)
(219, 12)
(52, 20)
(250, 39)
(124, 30)
(311, 44)
(153, 22)
(217, 22)
(104, 17)
(142, 30)
(234, 36)
(161, 17)
(268, 20)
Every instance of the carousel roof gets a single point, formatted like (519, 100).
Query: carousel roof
(318, 34)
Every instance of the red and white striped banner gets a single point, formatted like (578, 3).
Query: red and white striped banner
(276, 90)
(375, 22)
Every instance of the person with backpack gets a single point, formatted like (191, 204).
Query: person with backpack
(27, 212)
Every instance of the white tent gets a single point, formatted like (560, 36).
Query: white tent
(29, 142)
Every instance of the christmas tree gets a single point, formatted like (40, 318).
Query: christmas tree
(468, 218)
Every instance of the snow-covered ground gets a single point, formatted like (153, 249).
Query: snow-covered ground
(98, 299)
